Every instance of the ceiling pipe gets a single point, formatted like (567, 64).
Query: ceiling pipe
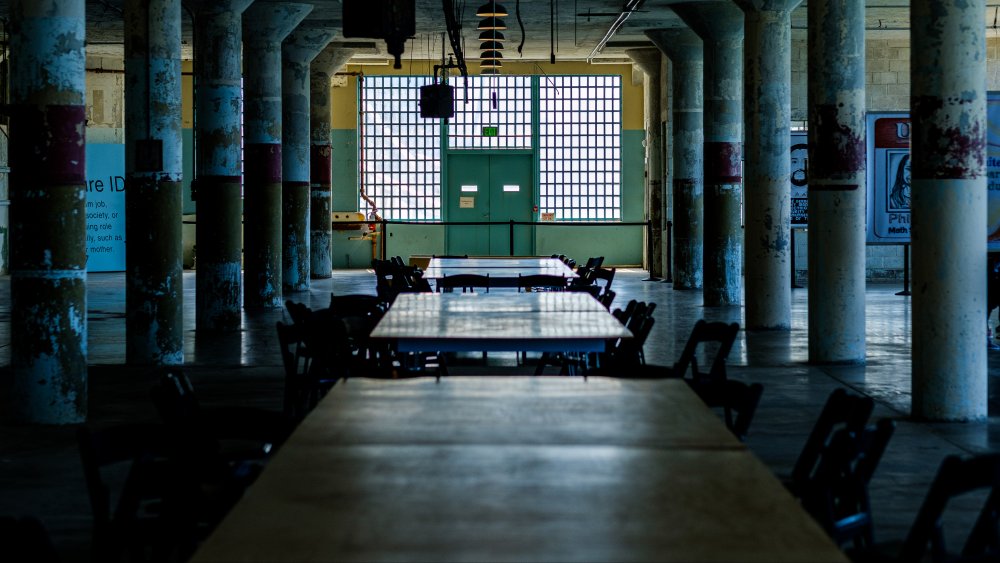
(627, 10)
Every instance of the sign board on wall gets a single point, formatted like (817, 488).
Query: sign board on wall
(105, 208)
(800, 179)
(993, 171)
(888, 177)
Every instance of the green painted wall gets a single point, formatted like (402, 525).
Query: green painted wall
(407, 240)
(345, 169)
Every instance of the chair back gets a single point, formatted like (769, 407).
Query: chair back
(628, 352)
(296, 366)
(607, 298)
(705, 333)
(468, 282)
(607, 275)
(842, 410)
(141, 447)
(958, 476)
(837, 492)
(739, 403)
(298, 312)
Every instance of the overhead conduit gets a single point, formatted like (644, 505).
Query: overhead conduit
(628, 9)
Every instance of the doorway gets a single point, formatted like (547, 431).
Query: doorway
(490, 187)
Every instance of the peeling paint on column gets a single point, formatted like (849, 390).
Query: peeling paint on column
(767, 198)
(298, 51)
(330, 60)
(840, 142)
(154, 292)
(684, 48)
(948, 210)
(836, 44)
(266, 25)
(218, 165)
(47, 216)
(720, 26)
(648, 60)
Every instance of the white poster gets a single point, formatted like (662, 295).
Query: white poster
(105, 208)
(888, 177)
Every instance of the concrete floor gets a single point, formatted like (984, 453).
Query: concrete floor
(40, 471)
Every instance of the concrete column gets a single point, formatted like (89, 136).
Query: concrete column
(297, 52)
(767, 111)
(648, 60)
(265, 26)
(48, 212)
(720, 26)
(948, 209)
(324, 66)
(684, 49)
(154, 285)
(218, 165)
(836, 181)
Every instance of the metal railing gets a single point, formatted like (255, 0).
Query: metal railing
(511, 225)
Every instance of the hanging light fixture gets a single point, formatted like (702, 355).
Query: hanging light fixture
(491, 9)
(491, 46)
(491, 24)
(491, 35)
(491, 55)
(489, 71)
(490, 63)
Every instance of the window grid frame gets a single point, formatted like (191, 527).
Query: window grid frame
(574, 129)
(399, 152)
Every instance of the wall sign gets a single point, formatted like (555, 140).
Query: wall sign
(105, 208)
(993, 171)
(800, 179)
(888, 177)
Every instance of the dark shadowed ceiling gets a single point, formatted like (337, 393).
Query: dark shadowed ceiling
(580, 27)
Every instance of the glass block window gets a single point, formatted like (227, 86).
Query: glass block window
(580, 147)
(493, 112)
(400, 151)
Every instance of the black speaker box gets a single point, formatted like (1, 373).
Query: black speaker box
(437, 100)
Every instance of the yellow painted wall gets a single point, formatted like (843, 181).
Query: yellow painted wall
(187, 94)
(345, 107)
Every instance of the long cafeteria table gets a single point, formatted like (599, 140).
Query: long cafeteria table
(515, 469)
(554, 321)
(503, 272)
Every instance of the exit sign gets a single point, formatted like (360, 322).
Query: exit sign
(491, 131)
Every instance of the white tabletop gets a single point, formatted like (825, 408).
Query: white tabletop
(456, 322)
(515, 469)
(502, 271)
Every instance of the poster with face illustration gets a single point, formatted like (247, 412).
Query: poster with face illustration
(993, 171)
(888, 177)
(800, 179)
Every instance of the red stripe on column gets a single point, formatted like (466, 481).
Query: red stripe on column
(321, 165)
(263, 163)
(50, 144)
(722, 163)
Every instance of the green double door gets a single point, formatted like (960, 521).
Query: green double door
(490, 187)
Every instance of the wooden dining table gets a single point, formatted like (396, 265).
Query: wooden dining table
(515, 469)
(555, 321)
(503, 272)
